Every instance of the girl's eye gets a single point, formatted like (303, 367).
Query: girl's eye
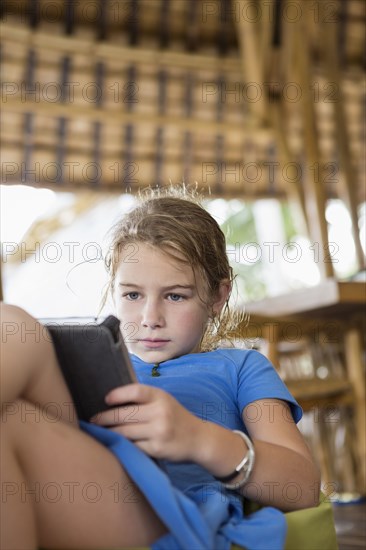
(176, 297)
(131, 295)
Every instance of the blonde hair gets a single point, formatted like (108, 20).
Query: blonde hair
(174, 221)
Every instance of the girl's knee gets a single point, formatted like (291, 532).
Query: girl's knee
(18, 326)
(23, 333)
(10, 312)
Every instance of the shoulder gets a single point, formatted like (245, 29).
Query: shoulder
(244, 358)
(243, 365)
(257, 379)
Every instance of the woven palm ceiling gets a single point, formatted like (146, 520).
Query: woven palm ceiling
(248, 98)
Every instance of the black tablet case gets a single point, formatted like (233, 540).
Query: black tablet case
(94, 360)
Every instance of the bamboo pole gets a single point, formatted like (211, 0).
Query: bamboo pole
(355, 369)
(294, 189)
(347, 190)
(315, 192)
(252, 59)
(115, 52)
(16, 105)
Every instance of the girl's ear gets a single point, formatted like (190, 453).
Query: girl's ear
(222, 296)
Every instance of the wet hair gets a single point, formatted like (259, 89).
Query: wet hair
(174, 222)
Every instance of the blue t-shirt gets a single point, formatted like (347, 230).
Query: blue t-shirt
(215, 386)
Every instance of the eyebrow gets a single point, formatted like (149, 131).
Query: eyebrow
(170, 287)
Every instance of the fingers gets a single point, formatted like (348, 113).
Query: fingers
(118, 415)
(129, 404)
(130, 393)
(137, 433)
(128, 422)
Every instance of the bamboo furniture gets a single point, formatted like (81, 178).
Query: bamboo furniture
(323, 327)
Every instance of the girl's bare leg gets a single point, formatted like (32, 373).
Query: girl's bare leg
(60, 487)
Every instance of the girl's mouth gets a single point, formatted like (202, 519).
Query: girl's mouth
(153, 343)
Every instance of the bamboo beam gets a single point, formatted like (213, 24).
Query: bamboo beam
(294, 189)
(265, 38)
(113, 117)
(348, 190)
(315, 192)
(276, 64)
(252, 59)
(251, 40)
(109, 52)
(355, 368)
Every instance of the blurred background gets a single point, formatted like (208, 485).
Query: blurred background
(260, 106)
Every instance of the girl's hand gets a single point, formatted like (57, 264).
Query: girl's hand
(153, 420)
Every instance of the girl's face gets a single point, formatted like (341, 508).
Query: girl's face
(160, 304)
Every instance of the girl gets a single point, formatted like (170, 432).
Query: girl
(219, 422)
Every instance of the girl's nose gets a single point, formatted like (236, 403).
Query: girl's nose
(152, 316)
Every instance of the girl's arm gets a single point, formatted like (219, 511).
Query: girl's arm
(284, 473)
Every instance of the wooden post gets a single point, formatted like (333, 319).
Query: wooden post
(252, 59)
(279, 67)
(315, 192)
(348, 189)
(294, 190)
(354, 353)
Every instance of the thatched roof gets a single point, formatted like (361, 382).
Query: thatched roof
(247, 98)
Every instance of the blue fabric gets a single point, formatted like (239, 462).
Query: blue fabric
(194, 523)
(217, 385)
(198, 512)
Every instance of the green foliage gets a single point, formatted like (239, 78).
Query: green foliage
(239, 229)
(288, 222)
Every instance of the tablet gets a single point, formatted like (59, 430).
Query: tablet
(93, 359)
